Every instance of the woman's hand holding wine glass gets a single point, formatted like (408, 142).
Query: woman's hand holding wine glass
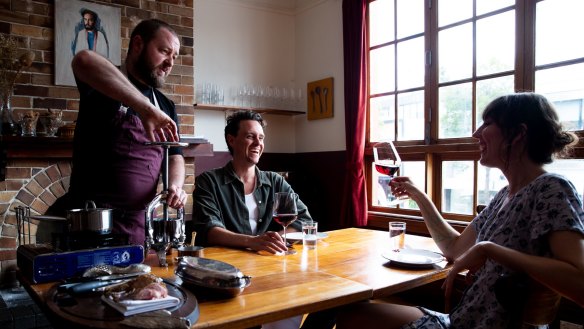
(285, 212)
(387, 162)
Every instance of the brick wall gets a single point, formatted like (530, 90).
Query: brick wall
(38, 182)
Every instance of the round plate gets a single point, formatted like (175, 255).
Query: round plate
(89, 311)
(297, 236)
(413, 257)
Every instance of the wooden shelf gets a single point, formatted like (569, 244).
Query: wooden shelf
(226, 108)
(62, 147)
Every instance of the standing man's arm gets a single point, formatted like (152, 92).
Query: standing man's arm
(99, 73)
(177, 197)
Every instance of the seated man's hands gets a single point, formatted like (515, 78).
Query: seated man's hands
(271, 242)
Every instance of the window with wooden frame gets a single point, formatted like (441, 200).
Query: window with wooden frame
(434, 65)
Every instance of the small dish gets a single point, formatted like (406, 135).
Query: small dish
(413, 257)
(297, 236)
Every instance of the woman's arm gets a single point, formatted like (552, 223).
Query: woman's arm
(451, 243)
(564, 273)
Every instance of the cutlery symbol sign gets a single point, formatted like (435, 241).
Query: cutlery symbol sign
(325, 92)
(317, 91)
(313, 103)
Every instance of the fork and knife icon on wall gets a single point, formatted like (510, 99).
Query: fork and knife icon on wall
(320, 99)
(319, 93)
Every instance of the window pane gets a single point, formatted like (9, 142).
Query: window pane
(488, 90)
(489, 182)
(452, 11)
(410, 112)
(553, 20)
(455, 53)
(455, 111)
(410, 63)
(381, 22)
(496, 43)
(382, 70)
(486, 6)
(564, 86)
(412, 21)
(416, 171)
(457, 187)
(382, 116)
(413, 169)
(572, 170)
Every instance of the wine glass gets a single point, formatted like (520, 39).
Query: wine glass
(387, 163)
(285, 212)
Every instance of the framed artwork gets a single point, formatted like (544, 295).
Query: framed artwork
(84, 25)
(320, 99)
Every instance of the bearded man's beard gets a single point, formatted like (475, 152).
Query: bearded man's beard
(147, 73)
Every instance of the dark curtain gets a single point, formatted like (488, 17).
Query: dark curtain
(354, 212)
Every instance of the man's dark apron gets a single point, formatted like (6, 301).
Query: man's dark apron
(136, 170)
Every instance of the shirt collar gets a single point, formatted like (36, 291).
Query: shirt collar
(230, 176)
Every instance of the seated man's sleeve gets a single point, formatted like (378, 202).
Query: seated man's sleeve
(207, 210)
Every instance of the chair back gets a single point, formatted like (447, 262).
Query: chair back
(542, 305)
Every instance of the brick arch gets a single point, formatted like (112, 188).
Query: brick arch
(39, 193)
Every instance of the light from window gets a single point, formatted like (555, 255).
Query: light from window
(381, 22)
(457, 191)
(452, 11)
(564, 86)
(455, 53)
(410, 63)
(416, 171)
(455, 111)
(572, 170)
(382, 69)
(553, 20)
(409, 20)
(496, 51)
(489, 182)
(410, 115)
(487, 6)
(488, 90)
(382, 112)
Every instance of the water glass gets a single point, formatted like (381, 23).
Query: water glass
(397, 235)
(309, 234)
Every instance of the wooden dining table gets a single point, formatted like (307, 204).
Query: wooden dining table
(345, 267)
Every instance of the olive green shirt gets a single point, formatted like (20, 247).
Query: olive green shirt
(219, 201)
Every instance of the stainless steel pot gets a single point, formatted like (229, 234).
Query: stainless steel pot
(90, 219)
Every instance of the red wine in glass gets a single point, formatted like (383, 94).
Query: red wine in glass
(387, 162)
(285, 219)
(386, 169)
(285, 212)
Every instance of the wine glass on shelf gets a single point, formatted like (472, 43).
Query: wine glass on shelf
(387, 163)
(285, 212)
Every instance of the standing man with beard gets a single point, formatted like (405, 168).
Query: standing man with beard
(118, 113)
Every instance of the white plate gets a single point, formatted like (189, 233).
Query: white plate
(297, 236)
(413, 257)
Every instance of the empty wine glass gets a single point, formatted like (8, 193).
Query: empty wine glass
(387, 163)
(285, 212)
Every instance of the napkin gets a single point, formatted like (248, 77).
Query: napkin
(131, 306)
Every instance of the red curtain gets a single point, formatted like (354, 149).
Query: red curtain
(354, 212)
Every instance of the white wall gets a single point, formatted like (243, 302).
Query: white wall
(237, 42)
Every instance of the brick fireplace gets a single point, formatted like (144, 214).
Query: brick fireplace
(36, 172)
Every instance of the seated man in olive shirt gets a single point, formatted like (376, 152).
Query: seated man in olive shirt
(233, 204)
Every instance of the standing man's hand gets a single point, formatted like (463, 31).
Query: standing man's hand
(176, 197)
(159, 126)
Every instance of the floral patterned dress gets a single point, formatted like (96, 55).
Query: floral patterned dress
(522, 222)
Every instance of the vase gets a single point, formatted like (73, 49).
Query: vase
(7, 126)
